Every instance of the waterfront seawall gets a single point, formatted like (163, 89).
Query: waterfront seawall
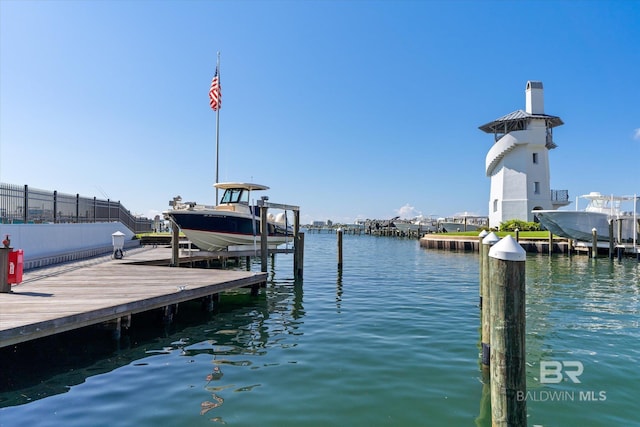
(471, 244)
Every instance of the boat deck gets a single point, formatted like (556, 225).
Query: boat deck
(74, 295)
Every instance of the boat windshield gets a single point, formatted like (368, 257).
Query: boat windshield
(235, 195)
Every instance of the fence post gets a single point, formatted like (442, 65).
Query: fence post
(55, 206)
(25, 214)
(508, 328)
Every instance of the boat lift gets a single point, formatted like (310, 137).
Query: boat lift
(298, 238)
(265, 250)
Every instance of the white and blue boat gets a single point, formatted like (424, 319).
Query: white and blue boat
(232, 224)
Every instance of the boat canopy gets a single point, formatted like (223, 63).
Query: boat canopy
(594, 195)
(240, 185)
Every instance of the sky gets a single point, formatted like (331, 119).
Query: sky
(348, 109)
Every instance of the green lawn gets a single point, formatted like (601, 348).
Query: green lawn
(523, 234)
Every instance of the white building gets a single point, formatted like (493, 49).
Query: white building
(518, 161)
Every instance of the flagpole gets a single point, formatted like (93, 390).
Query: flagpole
(218, 127)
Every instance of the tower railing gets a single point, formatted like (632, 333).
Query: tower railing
(559, 195)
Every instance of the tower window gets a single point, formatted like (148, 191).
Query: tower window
(535, 158)
(536, 187)
(495, 205)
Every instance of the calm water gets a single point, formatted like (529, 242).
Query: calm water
(392, 341)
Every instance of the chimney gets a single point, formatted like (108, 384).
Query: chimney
(535, 98)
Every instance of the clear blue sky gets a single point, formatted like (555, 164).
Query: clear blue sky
(350, 109)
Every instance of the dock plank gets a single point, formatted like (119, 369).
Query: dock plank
(78, 297)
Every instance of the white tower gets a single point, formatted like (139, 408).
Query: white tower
(518, 161)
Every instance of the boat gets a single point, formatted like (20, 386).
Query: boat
(579, 224)
(461, 223)
(418, 224)
(232, 224)
(455, 226)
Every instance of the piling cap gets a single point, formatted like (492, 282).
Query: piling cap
(490, 239)
(508, 249)
(483, 233)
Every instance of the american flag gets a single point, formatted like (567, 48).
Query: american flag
(215, 94)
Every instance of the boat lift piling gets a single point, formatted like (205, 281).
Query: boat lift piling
(611, 239)
(175, 244)
(298, 237)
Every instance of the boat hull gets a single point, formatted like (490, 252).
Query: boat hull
(216, 231)
(579, 225)
(451, 227)
(407, 227)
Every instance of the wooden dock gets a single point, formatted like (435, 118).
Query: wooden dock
(82, 294)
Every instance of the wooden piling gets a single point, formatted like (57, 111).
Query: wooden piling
(297, 246)
(5, 286)
(489, 240)
(175, 245)
(594, 243)
(264, 234)
(550, 242)
(611, 238)
(481, 236)
(508, 327)
(339, 234)
(113, 327)
(298, 260)
(619, 232)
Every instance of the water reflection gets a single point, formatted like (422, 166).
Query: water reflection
(240, 328)
(577, 308)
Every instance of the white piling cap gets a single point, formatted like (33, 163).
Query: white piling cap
(490, 239)
(508, 249)
(483, 233)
